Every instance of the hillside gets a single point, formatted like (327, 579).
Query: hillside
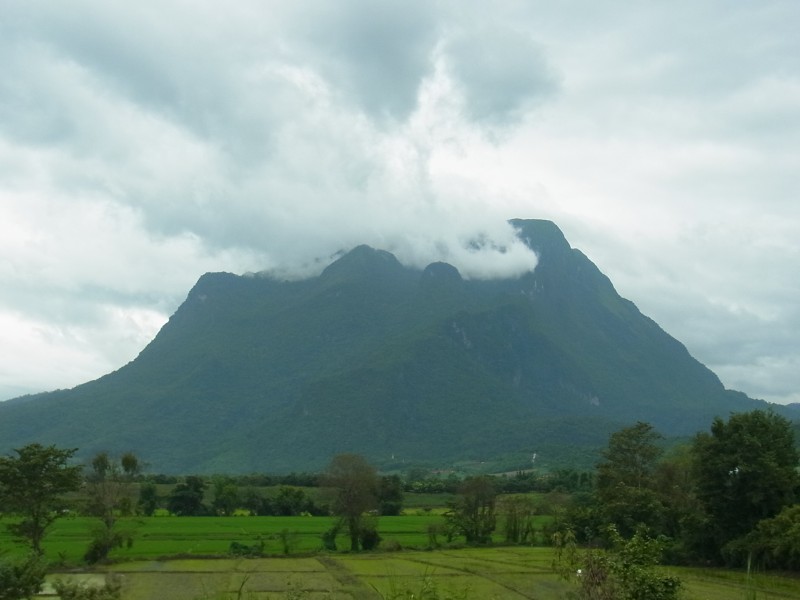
(403, 365)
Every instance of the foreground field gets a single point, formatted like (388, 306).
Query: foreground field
(173, 559)
(488, 573)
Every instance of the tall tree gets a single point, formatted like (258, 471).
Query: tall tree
(355, 485)
(226, 495)
(32, 485)
(745, 471)
(390, 495)
(518, 511)
(626, 482)
(472, 514)
(148, 498)
(110, 486)
(186, 499)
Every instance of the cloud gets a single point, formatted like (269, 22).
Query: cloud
(501, 71)
(374, 55)
(143, 145)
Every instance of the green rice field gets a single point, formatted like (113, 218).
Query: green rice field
(468, 573)
(175, 558)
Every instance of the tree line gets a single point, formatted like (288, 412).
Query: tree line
(729, 496)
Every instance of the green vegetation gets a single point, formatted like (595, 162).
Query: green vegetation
(32, 485)
(110, 487)
(21, 578)
(355, 487)
(618, 533)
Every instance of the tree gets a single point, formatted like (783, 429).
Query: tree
(186, 499)
(291, 501)
(148, 498)
(472, 514)
(21, 579)
(110, 486)
(355, 485)
(226, 495)
(518, 511)
(773, 544)
(745, 471)
(32, 485)
(390, 495)
(625, 483)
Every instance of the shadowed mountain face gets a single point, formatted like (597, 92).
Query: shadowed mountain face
(401, 365)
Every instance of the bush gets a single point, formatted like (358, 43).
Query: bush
(239, 549)
(80, 590)
(21, 579)
(625, 572)
(329, 538)
(369, 537)
(104, 540)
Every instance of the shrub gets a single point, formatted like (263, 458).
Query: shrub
(21, 579)
(80, 590)
(625, 572)
(369, 537)
(239, 549)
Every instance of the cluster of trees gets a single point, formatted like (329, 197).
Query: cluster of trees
(727, 496)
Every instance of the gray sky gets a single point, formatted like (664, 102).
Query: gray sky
(143, 144)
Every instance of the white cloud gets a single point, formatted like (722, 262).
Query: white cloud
(143, 145)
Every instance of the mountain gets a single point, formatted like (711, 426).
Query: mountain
(403, 365)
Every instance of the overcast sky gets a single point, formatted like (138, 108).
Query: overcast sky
(143, 144)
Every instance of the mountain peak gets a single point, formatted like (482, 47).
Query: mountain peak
(542, 236)
(362, 260)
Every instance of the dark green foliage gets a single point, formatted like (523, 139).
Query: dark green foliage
(625, 571)
(226, 495)
(251, 551)
(773, 544)
(626, 479)
(745, 471)
(355, 485)
(368, 535)
(104, 540)
(21, 579)
(148, 499)
(288, 540)
(110, 486)
(472, 514)
(390, 495)
(291, 501)
(329, 537)
(186, 498)
(418, 364)
(517, 512)
(32, 485)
